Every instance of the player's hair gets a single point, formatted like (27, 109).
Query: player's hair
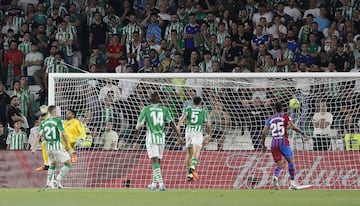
(52, 109)
(154, 98)
(278, 107)
(197, 100)
(72, 111)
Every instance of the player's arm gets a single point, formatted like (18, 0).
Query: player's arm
(177, 130)
(37, 139)
(296, 129)
(208, 132)
(263, 138)
(66, 141)
(181, 120)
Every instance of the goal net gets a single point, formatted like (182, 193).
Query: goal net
(238, 104)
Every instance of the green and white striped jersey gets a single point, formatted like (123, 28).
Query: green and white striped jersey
(17, 140)
(155, 116)
(51, 129)
(195, 119)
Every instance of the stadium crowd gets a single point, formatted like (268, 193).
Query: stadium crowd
(43, 36)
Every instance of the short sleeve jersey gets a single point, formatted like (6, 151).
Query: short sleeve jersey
(155, 116)
(51, 128)
(195, 119)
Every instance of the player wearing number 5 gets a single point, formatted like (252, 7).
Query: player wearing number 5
(155, 116)
(280, 146)
(53, 131)
(195, 118)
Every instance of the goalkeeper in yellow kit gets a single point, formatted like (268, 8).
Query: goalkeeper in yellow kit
(76, 136)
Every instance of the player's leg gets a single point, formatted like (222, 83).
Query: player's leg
(51, 170)
(189, 154)
(188, 163)
(154, 153)
(63, 157)
(197, 141)
(288, 154)
(45, 158)
(277, 156)
(73, 155)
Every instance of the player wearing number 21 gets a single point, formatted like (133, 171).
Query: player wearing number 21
(155, 116)
(53, 131)
(195, 118)
(280, 146)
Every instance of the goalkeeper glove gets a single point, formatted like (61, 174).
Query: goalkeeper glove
(79, 142)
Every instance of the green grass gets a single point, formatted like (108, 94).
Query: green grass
(131, 197)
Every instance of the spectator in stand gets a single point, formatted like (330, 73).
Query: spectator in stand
(269, 65)
(229, 57)
(147, 68)
(175, 44)
(10, 25)
(262, 13)
(211, 22)
(341, 59)
(207, 64)
(3, 137)
(40, 16)
(292, 43)
(202, 38)
(306, 28)
(33, 61)
(109, 139)
(322, 20)
(220, 120)
(304, 55)
(13, 113)
(16, 138)
(312, 9)
(133, 49)
(97, 59)
(190, 30)
(314, 48)
(130, 29)
(113, 52)
(174, 25)
(322, 122)
(66, 41)
(292, 11)
(24, 99)
(278, 30)
(4, 102)
(285, 18)
(98, 33)
(258, 38)
(320, 38)
(121, 67)
(13, 60)
(152, 25)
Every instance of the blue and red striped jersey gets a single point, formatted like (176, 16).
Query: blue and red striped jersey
(278, 125)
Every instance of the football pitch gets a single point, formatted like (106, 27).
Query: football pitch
(172, 197)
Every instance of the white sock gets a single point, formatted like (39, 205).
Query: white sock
(292, 182)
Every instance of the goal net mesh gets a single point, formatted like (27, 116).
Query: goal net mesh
(238, 109)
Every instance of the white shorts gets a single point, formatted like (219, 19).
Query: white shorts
(60, 155)
(155, 150)
(194, 138)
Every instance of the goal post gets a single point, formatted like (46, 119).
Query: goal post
(238, 104)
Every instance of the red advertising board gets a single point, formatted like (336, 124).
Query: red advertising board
(217, 170)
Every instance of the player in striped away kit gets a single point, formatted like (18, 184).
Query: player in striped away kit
(195, 118)
(280, 146)
(53, 131)
(155, 116)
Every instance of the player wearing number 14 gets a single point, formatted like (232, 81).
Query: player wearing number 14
(155, 116)
(280, 146)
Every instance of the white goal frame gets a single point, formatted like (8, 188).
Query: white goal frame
(254, 161)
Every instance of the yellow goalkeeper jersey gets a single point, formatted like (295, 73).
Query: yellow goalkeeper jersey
(74, 130)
